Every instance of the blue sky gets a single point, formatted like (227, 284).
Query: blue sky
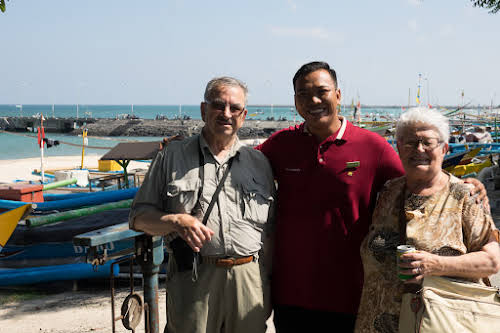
(164, 52)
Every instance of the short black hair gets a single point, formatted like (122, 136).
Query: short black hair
(313, 67)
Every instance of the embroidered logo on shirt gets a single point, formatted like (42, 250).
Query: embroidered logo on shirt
(293, 169)
(351, 167)
(353, 164)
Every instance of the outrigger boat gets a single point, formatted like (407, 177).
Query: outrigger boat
(471, 168)
(47, 253)
(9, 220)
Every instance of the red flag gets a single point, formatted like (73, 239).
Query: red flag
(41, 136)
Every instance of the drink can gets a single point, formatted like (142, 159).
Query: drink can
(401, 249)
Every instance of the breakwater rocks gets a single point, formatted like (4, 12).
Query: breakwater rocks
(149, 127)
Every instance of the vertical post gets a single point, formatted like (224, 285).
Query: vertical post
(124, 165)
(496, 130)
(85, 142)
(418, 89)
(41, 163)
(150, 256)
(42, 143)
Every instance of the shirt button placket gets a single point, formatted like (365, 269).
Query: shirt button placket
(223, 208)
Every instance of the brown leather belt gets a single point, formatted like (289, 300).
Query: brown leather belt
(227, 262)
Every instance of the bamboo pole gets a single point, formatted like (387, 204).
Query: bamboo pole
(61, 183)
(71, 214)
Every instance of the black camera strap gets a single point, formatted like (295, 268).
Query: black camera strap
(217, 190)
(215, 196)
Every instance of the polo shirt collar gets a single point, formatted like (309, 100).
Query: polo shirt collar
(340, 133)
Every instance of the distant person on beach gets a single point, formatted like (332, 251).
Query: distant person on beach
(479, 135)
(329, 173)
(216, 228)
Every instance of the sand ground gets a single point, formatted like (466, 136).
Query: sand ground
(66, 308)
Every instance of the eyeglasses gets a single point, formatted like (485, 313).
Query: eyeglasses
(428, 144)
(219, 105)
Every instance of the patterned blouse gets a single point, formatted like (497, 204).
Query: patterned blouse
(447, 223)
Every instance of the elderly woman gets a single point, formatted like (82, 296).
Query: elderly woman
(454, 235)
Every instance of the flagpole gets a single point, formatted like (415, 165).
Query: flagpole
(418, 89)
(42, 136)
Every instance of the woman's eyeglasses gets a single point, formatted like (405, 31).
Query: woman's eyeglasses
(427, 143)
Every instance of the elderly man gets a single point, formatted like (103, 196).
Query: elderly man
(329, 173)
(212, 199)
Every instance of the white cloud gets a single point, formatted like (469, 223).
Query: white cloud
(412, 24)
(446, 30)
(313, 32)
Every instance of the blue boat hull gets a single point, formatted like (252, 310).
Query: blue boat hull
(31, 275)
(47, 253)
(95, 198)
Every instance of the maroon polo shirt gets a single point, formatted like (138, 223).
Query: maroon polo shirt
(326, 195)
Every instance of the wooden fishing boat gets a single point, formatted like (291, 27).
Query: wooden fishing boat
(471, 168)
(47, 253)
(81, 200)
(451, 160)
(9, 220)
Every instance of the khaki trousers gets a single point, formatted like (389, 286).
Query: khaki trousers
(222, 300)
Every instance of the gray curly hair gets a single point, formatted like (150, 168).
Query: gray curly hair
(423, 115)
(224, 81)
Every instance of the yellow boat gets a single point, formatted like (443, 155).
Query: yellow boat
(464, 160)
(465, 169)
(8, 222)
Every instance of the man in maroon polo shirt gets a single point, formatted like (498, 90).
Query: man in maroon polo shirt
(329, 173)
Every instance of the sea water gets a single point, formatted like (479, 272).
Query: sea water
(25, 145)
(258, 112)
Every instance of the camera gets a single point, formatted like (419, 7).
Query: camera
(183, 254)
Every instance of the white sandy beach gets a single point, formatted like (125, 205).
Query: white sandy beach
(11, 170)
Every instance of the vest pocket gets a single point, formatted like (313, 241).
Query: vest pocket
(181, 195)
(256, 202)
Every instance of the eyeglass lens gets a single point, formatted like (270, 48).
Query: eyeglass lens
(221, 106)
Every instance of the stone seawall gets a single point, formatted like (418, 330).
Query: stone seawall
(148, 127)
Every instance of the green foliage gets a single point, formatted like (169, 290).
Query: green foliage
(493, 5)
(2, 5)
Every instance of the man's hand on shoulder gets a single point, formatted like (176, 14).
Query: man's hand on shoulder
(195, 233)
(479, 190)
